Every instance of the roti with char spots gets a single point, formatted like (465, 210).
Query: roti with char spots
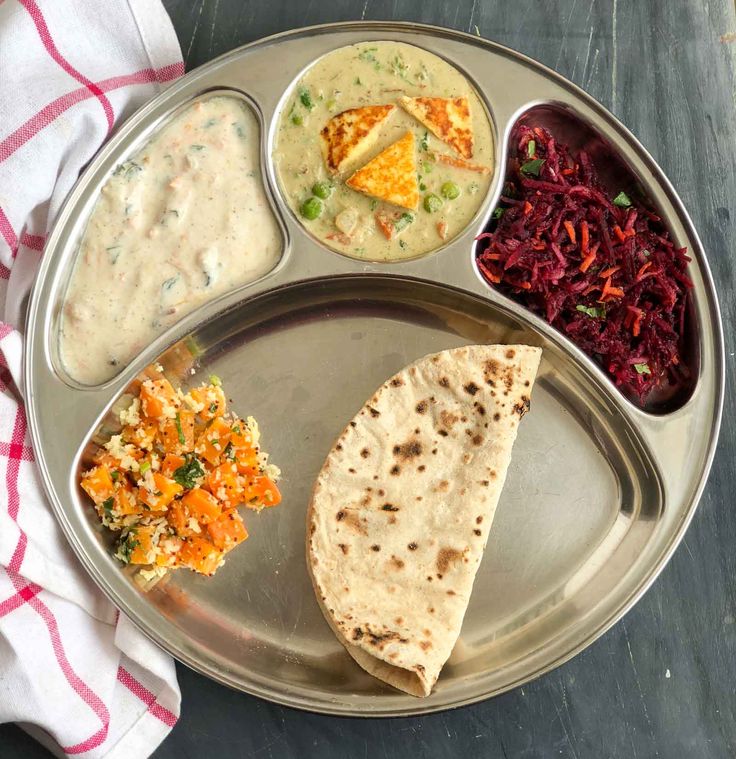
(403, 505)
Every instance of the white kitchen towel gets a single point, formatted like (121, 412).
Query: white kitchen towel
(75, 673)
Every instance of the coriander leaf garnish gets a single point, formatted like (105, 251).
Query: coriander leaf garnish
(179, 431)
(622, 200)
(305, 98)
(403, 221)
(642, 369)
(107, 506)
(190, 472)
(532, 168)
(596, 313)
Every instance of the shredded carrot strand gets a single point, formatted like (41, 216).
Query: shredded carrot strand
(584, 238)
(570, 231)
(608, 272)
(587, 262)
(527, 207)
(642, 270)
(619, 233)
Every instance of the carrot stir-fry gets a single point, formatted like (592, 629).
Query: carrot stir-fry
(171, 481)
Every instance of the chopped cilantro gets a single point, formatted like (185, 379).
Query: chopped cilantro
(498, 212)
(403, 221)
(622, 200)
(305, 98)
(179, 431)
(189, 472)
(374, 204)
(107, 506)
(215, 380)
(367, 55)
(424, 142)
(596, 313)
(402, 244)
(532, 168)
(229, 452)
(170, 282)
(115, 475)
(213, 408)
(145, 466)
(128, 169)
(127, 546)
(642, 369)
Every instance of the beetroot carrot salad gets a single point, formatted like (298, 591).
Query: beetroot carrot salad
(601, 269)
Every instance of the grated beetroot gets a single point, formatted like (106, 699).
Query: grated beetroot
(603, 271)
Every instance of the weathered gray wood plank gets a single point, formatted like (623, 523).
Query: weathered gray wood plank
(661, 682)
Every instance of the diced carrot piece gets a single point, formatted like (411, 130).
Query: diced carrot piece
(157, 397)
(177, 434)
(442, 229)
(246, 460)
(203, 506)
(142, 435)
(385, 224)
(240, 434)
(200, 555)
(166, 491)
(261, 491)
(141, 541)
(178, 517)
(225, 484)
(104, 458)
(171, 463)
(527, 208)
(213, 440)
(227, 531)
(126, 500)
(211, 398)
(172, 547)
(97, 482)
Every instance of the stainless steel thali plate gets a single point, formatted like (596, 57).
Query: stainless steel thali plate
(599, 491)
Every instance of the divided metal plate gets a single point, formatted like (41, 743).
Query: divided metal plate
(599, 492)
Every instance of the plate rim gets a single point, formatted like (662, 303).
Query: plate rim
(719, 377)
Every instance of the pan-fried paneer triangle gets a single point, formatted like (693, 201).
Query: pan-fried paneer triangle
(391, 175)
(349, 135)
(447, 119)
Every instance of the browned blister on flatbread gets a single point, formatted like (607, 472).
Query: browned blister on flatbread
(391, 175)
(402, 508)
(350, 135)
(448, 119)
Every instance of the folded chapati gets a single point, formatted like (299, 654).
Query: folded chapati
(403, 505)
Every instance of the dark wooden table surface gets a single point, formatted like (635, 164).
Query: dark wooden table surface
(662, 682)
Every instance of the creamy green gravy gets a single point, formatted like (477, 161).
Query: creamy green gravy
(182, 222)
(375, 73)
